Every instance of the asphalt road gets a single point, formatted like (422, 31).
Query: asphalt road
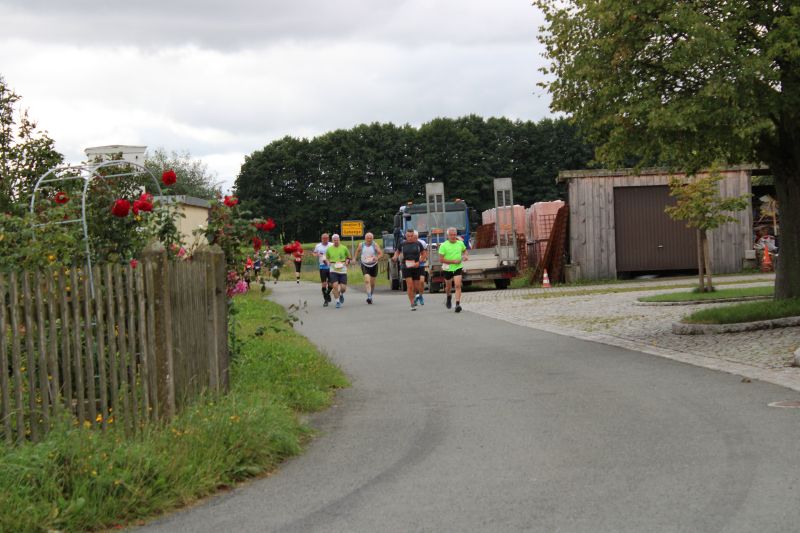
(463, 423)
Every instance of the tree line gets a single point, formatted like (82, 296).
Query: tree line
(309, 185)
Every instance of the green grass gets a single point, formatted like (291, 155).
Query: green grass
(310, 272)
(556, 293)
(746, 312)
(79, 479)
(745, 292)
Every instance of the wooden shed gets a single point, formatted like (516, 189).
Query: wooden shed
(617, 224)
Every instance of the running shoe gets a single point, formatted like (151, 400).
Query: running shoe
(458, 308)
(341, 298)
(449, 303)
(416, 299)
(338, 305)
(369, 299)
(325, 303)
(413, 307)
(421, 299)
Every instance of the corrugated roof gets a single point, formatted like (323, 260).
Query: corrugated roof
(566, 175)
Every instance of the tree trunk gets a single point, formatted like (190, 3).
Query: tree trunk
(787, 188)
(707, 260)
(700, 262)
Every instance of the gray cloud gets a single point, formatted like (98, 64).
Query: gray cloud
(241, 24)
(224, 79)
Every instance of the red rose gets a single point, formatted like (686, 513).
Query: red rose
(134, 263)
(144, 203)
(231, 201)
(256, 244)
(269, 225)
(61, 198)
(169, 177)
(288, 248)
(121, 208)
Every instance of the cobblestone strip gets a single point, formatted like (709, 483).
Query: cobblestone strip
(513, 294)
(614, 319)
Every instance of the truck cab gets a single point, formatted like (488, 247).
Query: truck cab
(431, 220)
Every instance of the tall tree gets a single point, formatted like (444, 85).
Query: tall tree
(368, 171)
(688, 84)
(25, 151)
(193, 176)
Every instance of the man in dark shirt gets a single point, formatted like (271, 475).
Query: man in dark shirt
(413, 253)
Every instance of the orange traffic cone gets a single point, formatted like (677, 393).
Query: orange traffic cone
(766, 261)
(545, 280)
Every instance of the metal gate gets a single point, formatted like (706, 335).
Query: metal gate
(647, 239)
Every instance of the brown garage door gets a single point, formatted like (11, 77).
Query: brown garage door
(647, 238)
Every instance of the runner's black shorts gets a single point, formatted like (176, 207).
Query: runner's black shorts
(336, 277)
(370, 270)
(324, 274)
(297, 265)
(450, 274)
(413, 273)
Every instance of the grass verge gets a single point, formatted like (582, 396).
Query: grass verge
(558, 292)
(77, 480)
(744, 292)
(746, 312)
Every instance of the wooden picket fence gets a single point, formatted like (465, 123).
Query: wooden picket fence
(124, 346)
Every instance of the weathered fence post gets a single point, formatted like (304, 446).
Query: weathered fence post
(203, 255)
(154, 258)
(221, 299)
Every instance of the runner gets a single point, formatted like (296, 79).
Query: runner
(412, 252)
(451, 253)
(297, 256)
(370, 254)
(257, 267)
(248, 270)
(423, 273)
(338, 257)
(274, 264)
(324, 268)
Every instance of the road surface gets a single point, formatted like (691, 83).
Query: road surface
(458, 422)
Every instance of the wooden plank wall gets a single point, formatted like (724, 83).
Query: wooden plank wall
(592, 240)
(90, 346)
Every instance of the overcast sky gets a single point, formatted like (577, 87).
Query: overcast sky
(222, 79)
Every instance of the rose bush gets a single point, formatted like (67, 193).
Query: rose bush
(231, 228)
(120, 221)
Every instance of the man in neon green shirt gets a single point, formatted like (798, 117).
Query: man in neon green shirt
(338, 257)
(452, 252)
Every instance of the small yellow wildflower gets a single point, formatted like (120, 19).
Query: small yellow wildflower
(99, 418)
(87, 424)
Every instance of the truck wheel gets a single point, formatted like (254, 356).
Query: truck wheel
(395, 284)
(501, 283)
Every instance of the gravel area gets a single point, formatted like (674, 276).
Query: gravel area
(615, 318)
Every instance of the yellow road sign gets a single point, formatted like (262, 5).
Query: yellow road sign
(352, 228)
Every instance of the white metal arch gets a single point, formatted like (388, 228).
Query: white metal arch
(86, 172)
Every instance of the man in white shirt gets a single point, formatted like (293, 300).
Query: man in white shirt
(324, 267)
